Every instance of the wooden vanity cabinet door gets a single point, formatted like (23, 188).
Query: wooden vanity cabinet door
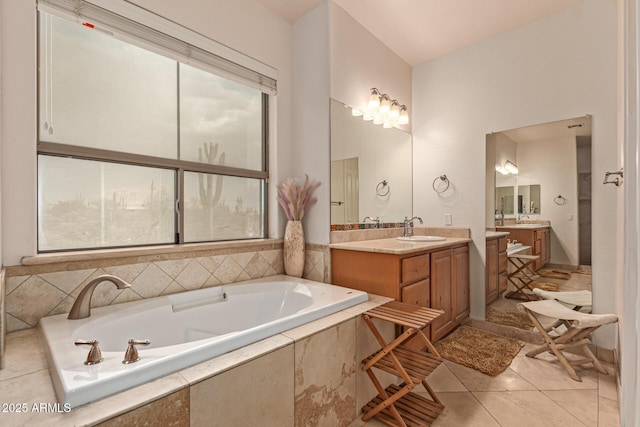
(441, 271)
(460, 284)
(491, 290)
(415, 268)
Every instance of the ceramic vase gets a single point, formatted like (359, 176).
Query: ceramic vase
(293, 252)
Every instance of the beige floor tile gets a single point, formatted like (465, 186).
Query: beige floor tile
(608, 413)
(607, 385)
(525, 408)
(463, 409)
(442, 380)
(546, 373)
(371, 423)
(582, 404)
(477, 381)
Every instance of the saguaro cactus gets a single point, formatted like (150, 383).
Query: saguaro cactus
(209, 197)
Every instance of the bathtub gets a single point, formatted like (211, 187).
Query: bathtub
(183, 330)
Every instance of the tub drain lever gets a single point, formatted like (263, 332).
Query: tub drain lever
(95, 355)
(131, 355)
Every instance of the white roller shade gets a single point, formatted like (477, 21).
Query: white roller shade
(171, 40)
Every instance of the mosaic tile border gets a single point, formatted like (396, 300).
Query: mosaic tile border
(365, 226)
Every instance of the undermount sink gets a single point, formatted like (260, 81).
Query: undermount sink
(422, 239)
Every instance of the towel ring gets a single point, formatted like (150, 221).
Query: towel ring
(381, 187)
(441, 178)
(560, 200)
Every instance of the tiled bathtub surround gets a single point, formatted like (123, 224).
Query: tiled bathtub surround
(307, 376)
(49, 285)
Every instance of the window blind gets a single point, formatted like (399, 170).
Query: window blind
(145, 36)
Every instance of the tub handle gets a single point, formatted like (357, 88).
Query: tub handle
(95, 355)
(131, 355)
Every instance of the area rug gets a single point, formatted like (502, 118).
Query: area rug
(545, 286)
(583, 269)
(509, 318)
(483, 351)
(554, 274)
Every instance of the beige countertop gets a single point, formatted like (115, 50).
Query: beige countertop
(397, 247)
(490, 235)
(522, 227)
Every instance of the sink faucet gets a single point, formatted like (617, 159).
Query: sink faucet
(524, 214)
(82, 307)
(407, 226)
(376, 220)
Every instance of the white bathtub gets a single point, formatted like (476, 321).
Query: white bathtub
(184, 329)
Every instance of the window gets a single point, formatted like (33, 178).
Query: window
(136, 148)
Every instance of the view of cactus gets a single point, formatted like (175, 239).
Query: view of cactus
(209, 197)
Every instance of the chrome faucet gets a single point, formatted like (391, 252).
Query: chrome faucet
(407, 226)
(376, 220)
(82, 307)
(524, 214)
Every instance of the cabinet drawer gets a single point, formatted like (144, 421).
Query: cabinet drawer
(502, 244)
(415, 268)
(502, 262)
(416, 293)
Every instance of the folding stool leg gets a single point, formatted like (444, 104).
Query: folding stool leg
(551, 345)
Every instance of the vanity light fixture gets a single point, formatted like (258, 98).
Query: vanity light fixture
(511, 167)
(383, 110)
(508, 168)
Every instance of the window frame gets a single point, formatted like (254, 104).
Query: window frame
(179, 166)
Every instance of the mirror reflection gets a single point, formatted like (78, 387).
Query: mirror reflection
(545, 204)
(370, 170)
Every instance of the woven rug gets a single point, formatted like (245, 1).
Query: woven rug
(554, 274)
(546, 286)
(509, 318)
(483, 351)
(583, 269)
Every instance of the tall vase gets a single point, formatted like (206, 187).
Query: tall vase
(293, 252)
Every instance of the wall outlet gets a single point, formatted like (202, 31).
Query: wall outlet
(448, 219)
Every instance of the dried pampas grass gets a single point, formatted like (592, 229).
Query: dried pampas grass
(297, 199)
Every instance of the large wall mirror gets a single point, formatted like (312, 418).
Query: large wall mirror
(371, 172)
(553, 183)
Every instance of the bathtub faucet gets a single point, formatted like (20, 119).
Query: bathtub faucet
(82, 307)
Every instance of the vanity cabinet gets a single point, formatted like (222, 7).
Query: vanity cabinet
(496, 268)
(436, 279)
(538, 238)
(449, 289)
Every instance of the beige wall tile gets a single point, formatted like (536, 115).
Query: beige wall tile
(67, 281)
(169, 411)
(151, 282)
(325, 377)
(33, 299)
(193, 276)
(259, 392)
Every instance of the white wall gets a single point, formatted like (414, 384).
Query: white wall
(243, 25)
(559, 67)
(334, 57)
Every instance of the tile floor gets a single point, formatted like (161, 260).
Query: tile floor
(531, 392)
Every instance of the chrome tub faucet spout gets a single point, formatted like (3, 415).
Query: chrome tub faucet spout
(82, 306)
(407, 226)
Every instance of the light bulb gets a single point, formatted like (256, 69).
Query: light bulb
(385, 105)
(387, 125)
(394, 113)
(356, 113)
(377, 120)
(374, 99)
(367, 117)
(403, 119)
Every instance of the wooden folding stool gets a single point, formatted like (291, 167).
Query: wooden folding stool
(522, 277)
(579, 327)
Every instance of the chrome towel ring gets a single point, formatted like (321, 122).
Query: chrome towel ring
(440, 189)
(383, 188)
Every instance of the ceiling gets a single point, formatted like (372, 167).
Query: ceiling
(420, 30)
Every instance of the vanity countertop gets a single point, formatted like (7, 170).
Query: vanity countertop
(523, 226)
(490, 235)
(397, 247)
